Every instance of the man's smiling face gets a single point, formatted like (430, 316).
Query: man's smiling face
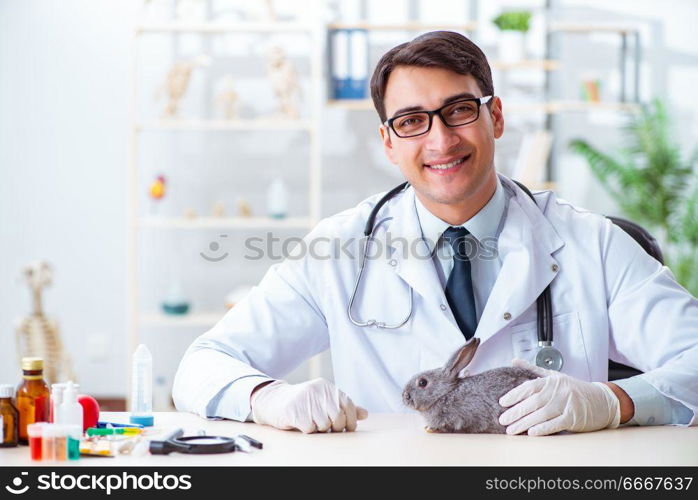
(450, 168)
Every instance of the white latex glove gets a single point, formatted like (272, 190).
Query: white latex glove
(313, 406)
(557, 402)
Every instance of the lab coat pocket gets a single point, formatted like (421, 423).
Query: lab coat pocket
(383, 297)
(568, 338)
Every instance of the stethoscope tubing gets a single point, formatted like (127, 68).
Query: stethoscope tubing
(548, 356)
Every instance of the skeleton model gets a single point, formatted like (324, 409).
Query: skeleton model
(177, 82)
(227, 98)
(39, 336)
(284, 81)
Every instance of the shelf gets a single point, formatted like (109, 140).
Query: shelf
(207, 319)
(592, 28)
(408, 26)
(351, 104)
(223, 222)
(537, 64)
(260, 124)
(223, 28)
(547, 107)
(554, 107)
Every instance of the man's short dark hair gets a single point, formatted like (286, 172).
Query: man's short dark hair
(437, 49)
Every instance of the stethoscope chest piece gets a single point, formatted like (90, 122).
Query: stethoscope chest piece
(548, 357)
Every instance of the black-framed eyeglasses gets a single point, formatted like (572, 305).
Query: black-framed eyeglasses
(454, 114)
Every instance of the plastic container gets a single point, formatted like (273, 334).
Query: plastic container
(69, 412)
(57, 398)
(9, 417)
(74, 435)
(35, 434)
(50, 434)
(277, 199)
(61, 442)
(142, 387)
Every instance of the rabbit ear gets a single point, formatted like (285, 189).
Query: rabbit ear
(462, 357)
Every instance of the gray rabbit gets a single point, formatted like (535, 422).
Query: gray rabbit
(452, 402)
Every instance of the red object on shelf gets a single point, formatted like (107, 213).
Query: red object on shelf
(90, 411)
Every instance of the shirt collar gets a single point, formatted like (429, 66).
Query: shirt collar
(483, 224)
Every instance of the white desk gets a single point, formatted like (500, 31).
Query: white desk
(400, 439)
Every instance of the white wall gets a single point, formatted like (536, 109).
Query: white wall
(63, 155)
(63, 138)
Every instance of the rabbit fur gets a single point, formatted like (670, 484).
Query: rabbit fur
(452, 401)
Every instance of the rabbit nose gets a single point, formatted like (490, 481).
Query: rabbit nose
(406, 396)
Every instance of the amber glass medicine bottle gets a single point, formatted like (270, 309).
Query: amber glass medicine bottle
(32, 396)
(9, 417)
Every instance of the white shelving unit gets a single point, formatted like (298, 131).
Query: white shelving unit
(314, 100)
(407, 26)
(209, 125)
(224, 222)
(549, 107)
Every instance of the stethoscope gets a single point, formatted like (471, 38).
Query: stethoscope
(547, 357)
(201, 444)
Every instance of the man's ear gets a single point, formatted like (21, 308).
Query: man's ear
(497, 117)
(387, 144)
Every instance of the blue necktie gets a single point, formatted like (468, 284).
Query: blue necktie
(459, 287)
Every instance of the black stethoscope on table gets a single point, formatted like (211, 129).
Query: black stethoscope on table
(547, 357)
(201, 444)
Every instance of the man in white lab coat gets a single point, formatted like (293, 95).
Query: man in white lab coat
(611, 300)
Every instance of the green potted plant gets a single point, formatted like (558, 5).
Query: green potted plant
(655, 187)
(514, 25)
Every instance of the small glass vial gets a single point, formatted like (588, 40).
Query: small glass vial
(74, 436)
(49, 436)
(33, 396)
(9, 417)
(61, 442)
(35, 432)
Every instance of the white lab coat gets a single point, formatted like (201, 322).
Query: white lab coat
(610, 299)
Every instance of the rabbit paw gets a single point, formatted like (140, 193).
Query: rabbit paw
(429, 429)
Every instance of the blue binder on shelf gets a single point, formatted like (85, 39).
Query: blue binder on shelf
(349, 63)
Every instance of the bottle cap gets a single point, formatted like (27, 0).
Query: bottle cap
(52, 430)
(35, 430)
(70, 392)
(59, 387)
(142, 354)
(145, 420)
(32, 364)
(7, 390)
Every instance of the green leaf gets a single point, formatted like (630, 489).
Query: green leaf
(653, 186)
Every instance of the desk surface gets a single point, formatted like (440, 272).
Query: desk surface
(400, 439)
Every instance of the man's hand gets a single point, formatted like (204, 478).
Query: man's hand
(557, 402)
(314, 406)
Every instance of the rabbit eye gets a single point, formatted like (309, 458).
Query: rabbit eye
(422, 382)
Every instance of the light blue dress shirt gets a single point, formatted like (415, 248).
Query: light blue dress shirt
(651, 406)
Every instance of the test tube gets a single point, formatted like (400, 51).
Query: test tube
(142, 387)
(74, 436)
(49, 433)
(34, 431)
(61, 442)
